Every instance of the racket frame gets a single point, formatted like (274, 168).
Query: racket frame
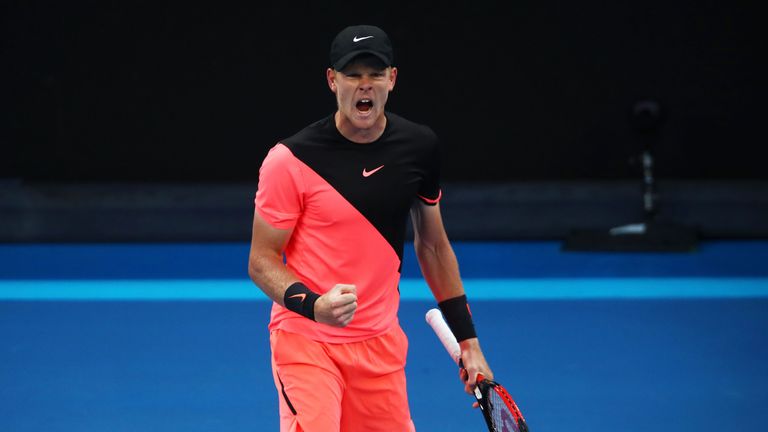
(483, 390)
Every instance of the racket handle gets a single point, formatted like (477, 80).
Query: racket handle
(437, 322)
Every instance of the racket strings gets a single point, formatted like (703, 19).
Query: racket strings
(504, 420)
(503, 411)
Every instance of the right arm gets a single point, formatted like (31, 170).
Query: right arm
(266, 269)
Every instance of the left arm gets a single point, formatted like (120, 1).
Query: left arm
(441, 272)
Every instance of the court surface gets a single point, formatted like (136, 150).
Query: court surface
(172, 337)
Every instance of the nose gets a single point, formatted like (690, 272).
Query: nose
(365, 83)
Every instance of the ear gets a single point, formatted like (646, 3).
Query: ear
(330, 76)
(392, 78)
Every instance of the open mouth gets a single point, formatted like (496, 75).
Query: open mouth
(364, 105)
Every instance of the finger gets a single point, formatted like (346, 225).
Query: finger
(345, 310)
(344, 299)
(472, 380)
(347, 288)
(476, 405)
(340, 321)
(343, 306)
(463, 374)
(348, 309)
(346, 319)
(338, 306)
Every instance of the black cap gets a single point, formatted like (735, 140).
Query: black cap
(360, 39)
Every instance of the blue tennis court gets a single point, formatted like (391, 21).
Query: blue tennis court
(165, 337)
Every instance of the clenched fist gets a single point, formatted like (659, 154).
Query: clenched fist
(337, 306)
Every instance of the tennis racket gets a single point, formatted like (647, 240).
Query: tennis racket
(499, 409)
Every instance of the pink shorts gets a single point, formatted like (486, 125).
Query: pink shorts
(325, 387)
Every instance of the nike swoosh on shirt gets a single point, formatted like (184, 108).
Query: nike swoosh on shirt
(301, 296)
(371, 172)
(358, 39)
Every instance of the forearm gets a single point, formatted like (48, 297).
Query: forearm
(268, 272)
(440, 268)
(441, 271)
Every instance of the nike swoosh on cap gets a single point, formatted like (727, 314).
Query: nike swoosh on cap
(358, 39)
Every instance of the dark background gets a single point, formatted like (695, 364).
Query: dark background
(186, 91)
(148, 120)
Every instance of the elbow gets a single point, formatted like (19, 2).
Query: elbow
(252, 272)
(255, 268)
(262, 263)
(420, 248)
(424, 248)
(427, 253)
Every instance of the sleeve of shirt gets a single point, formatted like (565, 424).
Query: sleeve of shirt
(280, 192)
(429, 191)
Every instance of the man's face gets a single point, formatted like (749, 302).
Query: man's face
(362, 90)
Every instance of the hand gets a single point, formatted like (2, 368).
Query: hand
(474, 363)
(337, 306)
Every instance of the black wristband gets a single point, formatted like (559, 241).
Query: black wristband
(300, 299)
(459, 318)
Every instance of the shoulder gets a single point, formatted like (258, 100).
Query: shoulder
(421, 132)
(279, 153)
(317, 131)
(277, 158)
(419, 138)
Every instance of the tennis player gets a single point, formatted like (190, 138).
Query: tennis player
(327, 248)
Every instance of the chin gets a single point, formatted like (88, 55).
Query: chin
(364, 122)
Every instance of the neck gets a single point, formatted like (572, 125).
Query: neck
(360, 135)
